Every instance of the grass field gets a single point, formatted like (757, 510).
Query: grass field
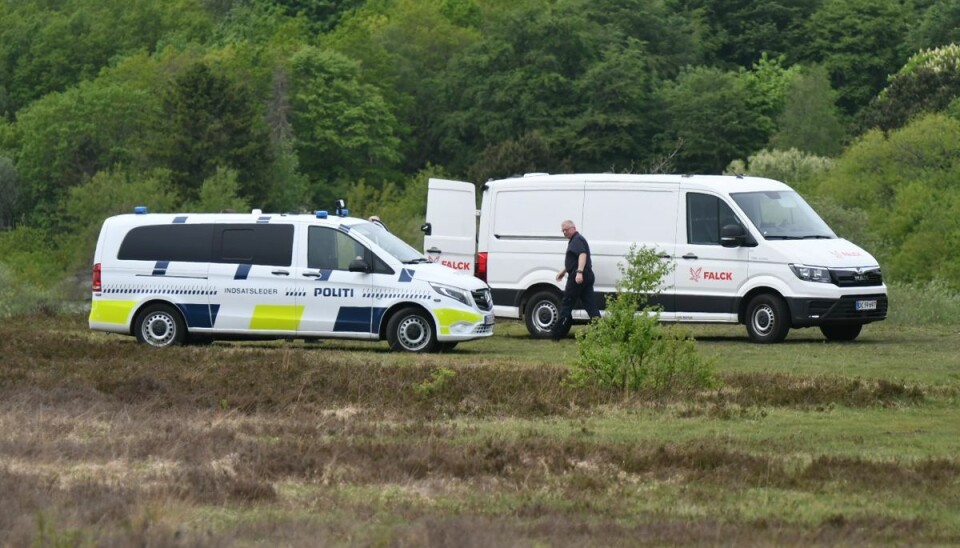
(103, 442)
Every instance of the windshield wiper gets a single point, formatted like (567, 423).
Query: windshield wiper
(417, 261)
(817, 237)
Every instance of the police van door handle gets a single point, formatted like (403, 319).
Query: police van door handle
(280, 273)
(665, 256)
(690, 256)
(312, 274)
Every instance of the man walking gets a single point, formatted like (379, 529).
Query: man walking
(577, 263)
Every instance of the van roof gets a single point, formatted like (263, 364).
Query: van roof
(256, 216)
(719, 183)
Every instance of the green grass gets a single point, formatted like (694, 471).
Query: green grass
(344, 443)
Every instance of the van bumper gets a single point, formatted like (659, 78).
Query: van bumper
(807, 312)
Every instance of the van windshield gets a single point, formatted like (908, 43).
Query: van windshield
(396, 247)
(782, 215)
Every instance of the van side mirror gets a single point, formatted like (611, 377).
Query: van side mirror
(359, 265)
(732, 236)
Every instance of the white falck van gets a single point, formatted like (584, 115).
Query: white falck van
(173, 278)
(744, 249)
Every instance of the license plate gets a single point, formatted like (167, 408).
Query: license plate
(866, 305)
(488, 319)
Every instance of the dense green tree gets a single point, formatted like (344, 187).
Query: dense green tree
(48, 47)
(618, 116)
(9, 192)
(344, 129)
(810, 120)
(859, 42)
(928, 82)
(713, 115)
(211, 123)
(734, 33)
(527, 154)
(403, 47)
(908, 183)
(938, 25)
(66, 138)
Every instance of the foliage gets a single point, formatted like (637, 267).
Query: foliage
(66, 138)
(858, 42)
(938, 25)
(629, 351)
(932, 303)
(528, 154)
(810, 120)
(9, 191)
(928, 82)
(791, 166)
(712, 113)
(907, 183)
(219, 192)
(211, 123)
(344, 129)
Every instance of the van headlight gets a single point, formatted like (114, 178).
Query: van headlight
(811, 273)
(452, 292)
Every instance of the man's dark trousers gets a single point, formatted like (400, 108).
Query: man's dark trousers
(571, 292)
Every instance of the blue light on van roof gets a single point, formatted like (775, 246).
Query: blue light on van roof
(321, 214)
(140, 210)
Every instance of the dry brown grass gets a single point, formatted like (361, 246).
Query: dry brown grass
(104, 443)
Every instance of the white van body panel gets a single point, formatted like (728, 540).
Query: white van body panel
(520, 239)
(248, 299)
(452, 214)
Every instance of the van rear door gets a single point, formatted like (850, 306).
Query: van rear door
(450, 232)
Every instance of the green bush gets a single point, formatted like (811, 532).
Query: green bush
(631, 352)
(928, 303)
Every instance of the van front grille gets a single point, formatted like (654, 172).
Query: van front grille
(856, 277)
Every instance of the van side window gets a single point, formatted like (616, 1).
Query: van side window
(173, 242)
(706, 215)
(262, 244)
(331, 249)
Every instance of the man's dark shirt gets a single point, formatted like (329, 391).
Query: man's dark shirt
(576, 246)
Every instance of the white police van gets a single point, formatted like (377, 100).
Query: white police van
(744, 250)
(175, 278)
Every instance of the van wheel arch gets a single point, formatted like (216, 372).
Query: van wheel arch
(541, 309)
(159, 324)
(766, 315)
(411, 328)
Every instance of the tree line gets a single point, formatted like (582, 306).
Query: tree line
(286, 105)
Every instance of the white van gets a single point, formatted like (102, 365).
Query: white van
(175, 278)
(744, 249)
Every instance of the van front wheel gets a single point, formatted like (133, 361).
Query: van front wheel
(768, 319)
(412, 331)
(541, 314)
(160, 325)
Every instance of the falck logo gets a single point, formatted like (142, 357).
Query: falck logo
(695, 274)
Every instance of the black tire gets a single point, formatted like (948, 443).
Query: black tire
(767, 319)
(841, 332)
(541, 314)
(446, 346)
(160, 326)
(410, 330)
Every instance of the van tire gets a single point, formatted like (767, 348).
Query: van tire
(767, 319)
(160, 326)
(410, 330)
(541, 314)
(841, 332)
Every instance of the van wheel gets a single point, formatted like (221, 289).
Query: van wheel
(841, 332)
(768, 320)
(541, 314)
(160, 325)
(412, 331)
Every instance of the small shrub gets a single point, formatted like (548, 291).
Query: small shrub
(438, 380)
(630, 352)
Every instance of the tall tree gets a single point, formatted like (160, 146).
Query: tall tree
(810, 121)
(213, 123)
(859, 42)
(715, 118)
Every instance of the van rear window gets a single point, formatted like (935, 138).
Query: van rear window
(264, 244)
